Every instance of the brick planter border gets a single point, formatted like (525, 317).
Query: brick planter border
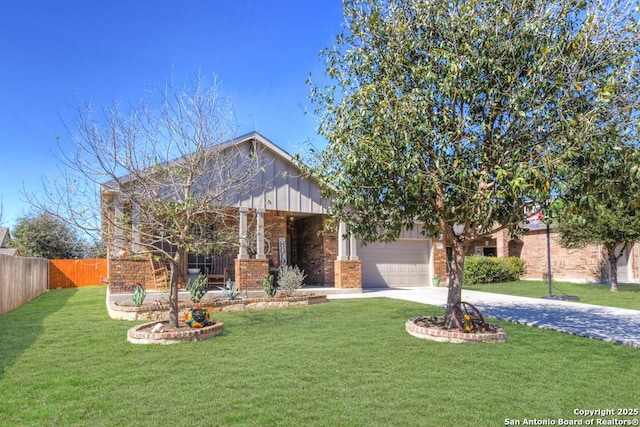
(454, 336)
(142, 334)
(161, 312)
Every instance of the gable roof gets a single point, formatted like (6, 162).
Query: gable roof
(4, 236)
(280, 185)
(9, 251)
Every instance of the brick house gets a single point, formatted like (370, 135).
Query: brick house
(289, 216)
(588, 264)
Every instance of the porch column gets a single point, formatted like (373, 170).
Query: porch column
(347, 267)
(353, 247)
(118, 214)
(135, 229)
(243, 254)
(260, 235)
(342, 241)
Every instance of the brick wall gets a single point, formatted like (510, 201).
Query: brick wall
(330, 254)
(124, 273)
(348, 274)
(250, 273)
(439, 254)
(566, 264)
(275, 227)
(316, 250)
(569, 264)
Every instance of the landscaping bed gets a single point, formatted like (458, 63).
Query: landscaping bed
(147, 333)
(432, 328)
(160, 311)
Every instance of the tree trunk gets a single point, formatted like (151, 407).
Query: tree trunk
(174, 309)
(613, 264)
(456, 273)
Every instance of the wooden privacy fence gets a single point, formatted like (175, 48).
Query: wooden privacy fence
(74, 273)
(21, 280)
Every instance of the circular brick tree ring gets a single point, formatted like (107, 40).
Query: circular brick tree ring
(145, 333)
(432, 328)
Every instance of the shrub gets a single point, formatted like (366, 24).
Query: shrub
(290, 279)
(516, 266)
(268, 286)
(198, 288)
(482, 269)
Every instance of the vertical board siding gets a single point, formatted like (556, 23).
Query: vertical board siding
(75, 273)
(281, 186)
(21, 280)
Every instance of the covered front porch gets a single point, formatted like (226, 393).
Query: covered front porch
(288, 238)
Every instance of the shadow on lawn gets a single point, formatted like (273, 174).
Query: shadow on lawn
(21, 327)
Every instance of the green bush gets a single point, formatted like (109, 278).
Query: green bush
(516, 266)
(198, 288)
(268, 286)
(482, 269)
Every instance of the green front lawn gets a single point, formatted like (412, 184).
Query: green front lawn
(628, 296)
(343, 363)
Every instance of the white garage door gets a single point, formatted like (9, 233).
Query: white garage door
(399, 263)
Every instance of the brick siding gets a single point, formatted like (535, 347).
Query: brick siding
(348, 274)
(124, 273)
(250, 273)
(566, 264)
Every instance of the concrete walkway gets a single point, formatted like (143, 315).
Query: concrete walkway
(616, 325)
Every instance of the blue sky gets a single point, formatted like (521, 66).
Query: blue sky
(56, 55)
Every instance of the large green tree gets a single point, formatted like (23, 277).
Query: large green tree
(458, 113)
(46, 236)
(602, 204)
(600, 201)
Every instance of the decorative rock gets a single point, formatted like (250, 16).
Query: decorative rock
(157, 328)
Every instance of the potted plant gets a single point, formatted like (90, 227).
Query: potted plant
(436, 281)
(138, 295)
(197, 317)
(198, 288)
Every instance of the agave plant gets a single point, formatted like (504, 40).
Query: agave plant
(229, 291)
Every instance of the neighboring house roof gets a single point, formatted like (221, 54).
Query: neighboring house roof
(4, 240)
(4, 236)
(9, 251)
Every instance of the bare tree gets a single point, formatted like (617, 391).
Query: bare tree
(157, 177)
